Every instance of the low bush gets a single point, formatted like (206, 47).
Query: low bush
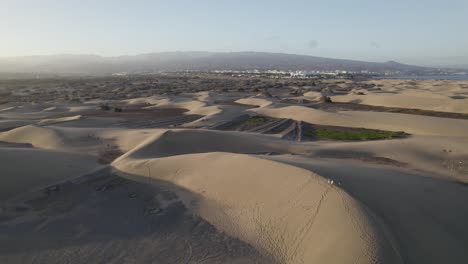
(353, 135)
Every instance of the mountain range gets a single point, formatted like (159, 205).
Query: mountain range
(196, 61)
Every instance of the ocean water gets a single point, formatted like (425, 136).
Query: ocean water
(427, 77)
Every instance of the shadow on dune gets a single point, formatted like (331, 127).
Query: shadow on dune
(108, 219)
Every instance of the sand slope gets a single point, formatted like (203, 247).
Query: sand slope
(433, 156)
(444, 96)
(101, 217)
(39, 137)
(26, 169)
(289, 213)
(405, 100)
(424, 214)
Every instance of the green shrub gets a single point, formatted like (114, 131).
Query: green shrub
(353, 135)
(256, 120)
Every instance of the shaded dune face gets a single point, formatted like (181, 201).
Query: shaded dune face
(287, 213)
(102, 217)
(25, 168)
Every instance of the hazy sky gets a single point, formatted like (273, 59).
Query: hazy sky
(412, 31)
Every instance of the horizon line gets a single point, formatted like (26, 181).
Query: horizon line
(194, 51)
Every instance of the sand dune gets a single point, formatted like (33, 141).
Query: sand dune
(443, 104)
(63, 138)
(255, 101)
(424, 214)
(199, 104)
(179, 142)
(434, 155)
(116, 220)
(39, 137)
(290, 223)
(427, 95)
(188, 193)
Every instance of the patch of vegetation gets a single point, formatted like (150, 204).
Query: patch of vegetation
(353, 135)
(256, 120)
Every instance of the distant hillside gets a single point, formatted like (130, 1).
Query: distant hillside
(172, 61)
